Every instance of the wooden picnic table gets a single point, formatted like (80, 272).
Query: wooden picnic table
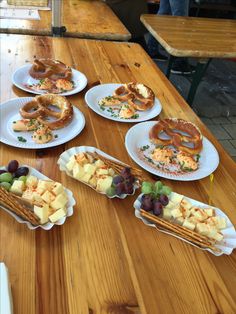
(103, 259)
(83, 19)
(201, 38)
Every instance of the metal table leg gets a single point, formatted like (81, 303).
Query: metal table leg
(169, 66)
(201, 68)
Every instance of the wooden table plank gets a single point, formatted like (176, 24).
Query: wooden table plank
(83, 19)
(192, 36)
(103, 259)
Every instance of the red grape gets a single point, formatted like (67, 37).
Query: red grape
(157, 208)
(117, 179)
(22, 171)
(13, 166)
(125, 173)
(147, 203)
(164, 200)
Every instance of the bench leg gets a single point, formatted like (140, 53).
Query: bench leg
(201, 68)
(169, 66)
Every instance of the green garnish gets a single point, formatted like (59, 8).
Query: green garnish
(56, 136)
(143, 148)
(21, 139)
(135, 116)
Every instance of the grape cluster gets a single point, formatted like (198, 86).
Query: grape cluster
(122, 183)
(11, 173)
(155, 197)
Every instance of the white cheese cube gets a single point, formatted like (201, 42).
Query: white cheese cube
(57, 188)
(111, 172)
(17, 187)
(104, 184)
(44, 185)
(37, 197)
(188, 224)
(42, 213)
(200, 214)
(209, 211)
(179, 221)
(31, 181)
(218, 236)
(48, 197)
(176, 213)
(170, 205)
(185, 204)
(202, 228)
(93, 182)
(86, 177)
(98, 163)
(57, 215)
(78, 171)
(81, 159)
(218, 222)
(175, 197)
(166, 213)
(71, 163)
(60, 201)
(28, 194)
(102, 171)
(88, 168)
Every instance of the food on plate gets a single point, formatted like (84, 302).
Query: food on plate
(101, 174)
(175, 146)
(49, 68)
(127, 100)
(173, 127)
(177, 209)
(47, 200)
(42, 115)
(53, 75)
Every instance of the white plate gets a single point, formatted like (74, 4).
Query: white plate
(96, 93)
(226, 246)
(65, 156)
(21, 78)
(48, 225)
(138, 136)
(9, 112)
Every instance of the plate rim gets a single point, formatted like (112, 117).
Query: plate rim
(161, 174)
(69, 93)
(116, 119)
(47, 145)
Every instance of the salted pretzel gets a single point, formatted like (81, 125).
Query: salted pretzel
(137, 95)
(180, 134)
(51, 69)
(41, 103)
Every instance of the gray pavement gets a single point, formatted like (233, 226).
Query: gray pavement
(215, 100)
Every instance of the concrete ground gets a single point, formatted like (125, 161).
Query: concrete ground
(215, 100)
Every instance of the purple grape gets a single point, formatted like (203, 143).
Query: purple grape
(120, 188)
(22, 171)
(117, 179)
(130, 179)
(129, 188)
(3, 171)
(163, 199)
(13, 166)
(147, 203)
(125, 173)
(157, 208)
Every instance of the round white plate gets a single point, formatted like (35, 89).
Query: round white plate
(48, 225)
(226, 246)
(98, 92)
(21, 78)
(138, 136)
(9, 112)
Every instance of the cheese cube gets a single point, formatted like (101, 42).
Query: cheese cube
(37, 197)
(166, 213)
(57, 215)
(48, 197)
(179, 221)
(28, 195)
(71, 163)
(60, 201)
(93, 182)
(31, 181)
(175, 197)
(185, 204)
(78, 171)
(102, 171)
(176, 213)
(81, 159)
(98, 163)
(200, 214)
(212, 233)
(86, 177)
(104, 184)
(209, 211)
(44, 185)
(57, 188)
(111, 172)
(17, 187)
(202, 228)
(186, 212)
(42, 213)
(218, 236)
(218, 222)
(88, 168)
(170, 205)
(188, 224)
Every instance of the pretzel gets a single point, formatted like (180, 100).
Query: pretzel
(172, 127)
(137, 95)
(49, 68)
(41, 103)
